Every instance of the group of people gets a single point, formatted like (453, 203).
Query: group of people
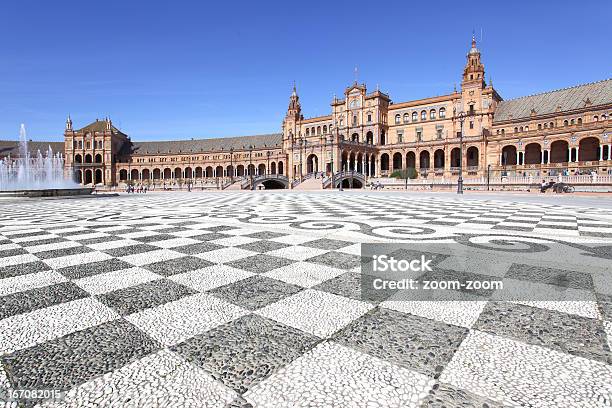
(376, 186)
(139, 188)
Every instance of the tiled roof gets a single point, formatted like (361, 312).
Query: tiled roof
(209, 145)
(99, 126)
(12, 147)
(567, 99)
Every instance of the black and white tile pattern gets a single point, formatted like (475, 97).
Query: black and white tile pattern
(253, 299)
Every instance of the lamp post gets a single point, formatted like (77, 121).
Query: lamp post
(488, 176)
(251, 165)
(268, 153)
(461, 117)
(232, 164)
(301, 144)
(331, 140)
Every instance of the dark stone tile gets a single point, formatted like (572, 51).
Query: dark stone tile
(260, 263)
(265, 235)
(246, 351)
(413, 342)
(23, 269)
(27, 234)
(12, 252)
(263, 246)
(94, 268)
(199, 248)
(71, 360)
(219, 228)
(38, 298)
(209, 236)
(355, 286)
(325, 243)
(53, 240)
(551, 276)
(255, 292)
(177, 265)
(98, 240)
(571, 334)
(446, 396)
(512, 228)
(154, 238)
(605, 306)
(57, 253)
(130, 250)
(144, 296)
(338, 260)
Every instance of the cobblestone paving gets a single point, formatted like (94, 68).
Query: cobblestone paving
(253, 300)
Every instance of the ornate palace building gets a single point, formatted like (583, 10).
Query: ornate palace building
(367, 135)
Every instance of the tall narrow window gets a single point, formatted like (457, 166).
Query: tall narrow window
(442, 113)
(414, 116)
(423, 115)
(432, 114)
(397, 119)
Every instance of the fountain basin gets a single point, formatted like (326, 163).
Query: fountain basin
(51, 192)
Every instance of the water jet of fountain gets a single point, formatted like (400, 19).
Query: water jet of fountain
(33, 173)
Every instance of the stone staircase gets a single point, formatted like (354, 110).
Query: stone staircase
(310, 183)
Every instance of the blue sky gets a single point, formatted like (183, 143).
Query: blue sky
(182, 69)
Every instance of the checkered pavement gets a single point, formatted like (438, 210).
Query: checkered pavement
(223, 299)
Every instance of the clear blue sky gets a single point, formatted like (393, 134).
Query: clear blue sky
(171, 70)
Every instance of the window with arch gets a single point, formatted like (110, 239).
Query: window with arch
(539, 126)
(318, 130)
(423, 115)
(442, 113)
(527, 128)
(503, 131)
(579, 121)
(432, 114)
(324, 128)
(551, 125)
(307, 132)
(515, 130)
(565, 122)
(596, 118)
(545, 125)
(573, 122)
(397, 119)
(414, 116)
(406, 118)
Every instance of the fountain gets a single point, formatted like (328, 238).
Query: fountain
(36, 176)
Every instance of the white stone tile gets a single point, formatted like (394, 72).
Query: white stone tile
(297, 252)
(174, 242)
(519, 374)
(33, 238)
(211, 277)
(33, 249)
(225, 254)
(91, 235)
(115, 280)
(151, 257)
(304, 274)
(4, 247)
(71, 260)
(63, 230)
(331, 375)
(16, 230)
(316, 312)
(17, 259)
(294, 239)
(234, 241)
(457, 312)
(22, 283)
(354, 249)
(117, 243)
(174, 322)
(24, 330)
(161, 379)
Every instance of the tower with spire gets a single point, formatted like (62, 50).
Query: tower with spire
(474, 69)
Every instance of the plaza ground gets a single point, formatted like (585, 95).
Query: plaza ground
(238, 299)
